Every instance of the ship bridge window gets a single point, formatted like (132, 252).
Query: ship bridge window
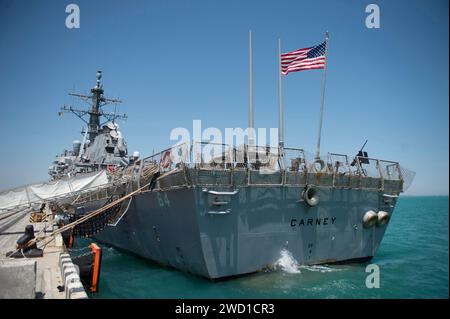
(109, 149)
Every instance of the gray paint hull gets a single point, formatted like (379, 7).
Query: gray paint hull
(182, 228)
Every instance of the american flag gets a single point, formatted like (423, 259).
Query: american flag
(304, 59)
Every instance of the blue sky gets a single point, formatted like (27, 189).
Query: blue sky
(176, 61)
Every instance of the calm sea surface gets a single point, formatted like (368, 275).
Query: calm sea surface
(413, 261)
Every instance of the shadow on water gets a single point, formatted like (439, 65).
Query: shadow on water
(413, 261)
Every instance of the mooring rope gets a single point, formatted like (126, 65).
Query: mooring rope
(96, 212)
(85, 217)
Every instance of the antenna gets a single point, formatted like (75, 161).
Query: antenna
(251, 140)
(115, 111)
(96, 100)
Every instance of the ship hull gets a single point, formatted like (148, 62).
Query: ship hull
(220, 232)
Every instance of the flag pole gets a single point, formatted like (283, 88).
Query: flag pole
(327, 37)
(250, 71)
(280, 103)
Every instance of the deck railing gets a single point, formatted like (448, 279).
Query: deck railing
(270, 160)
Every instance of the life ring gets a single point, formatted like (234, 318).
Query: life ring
(165, 160)
(370, 219)
(383, 218)
(111, 168)
(311, 196)
(315, 169)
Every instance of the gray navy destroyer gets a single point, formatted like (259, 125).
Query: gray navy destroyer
(231, 214)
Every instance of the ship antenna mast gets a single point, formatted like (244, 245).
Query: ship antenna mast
(96, 101)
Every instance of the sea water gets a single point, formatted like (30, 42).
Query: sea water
(412, 259)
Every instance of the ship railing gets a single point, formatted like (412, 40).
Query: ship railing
(211, 155)
(339, 166)
(265, 165)
(220, 155)
(365, 166)
(169, 158)
(239, 160)
(390, 170)
(362, 172)
(382, 170)
(294, 160)
(73, 197)
(373, 167)
(208, 156)
(96, 193)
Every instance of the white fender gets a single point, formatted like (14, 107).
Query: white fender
(383, 218)
(370, 219)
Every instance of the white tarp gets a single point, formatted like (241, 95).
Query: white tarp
(40, 192)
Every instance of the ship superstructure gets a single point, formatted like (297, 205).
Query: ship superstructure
(102, 145)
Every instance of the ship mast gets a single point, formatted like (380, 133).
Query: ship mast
(94, 117)
(97, 101)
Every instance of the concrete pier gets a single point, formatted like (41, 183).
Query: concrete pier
(42, 277)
